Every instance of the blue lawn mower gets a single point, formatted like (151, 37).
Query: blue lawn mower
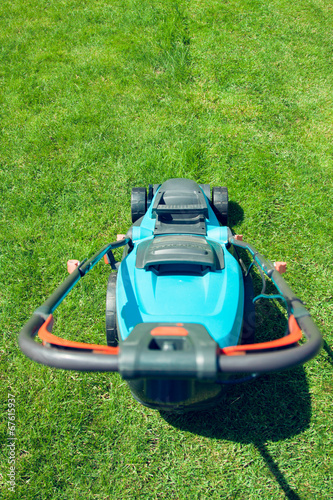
(180, 305)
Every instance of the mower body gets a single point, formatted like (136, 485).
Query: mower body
(180, 271)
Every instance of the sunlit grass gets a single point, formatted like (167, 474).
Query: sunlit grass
(98, 97)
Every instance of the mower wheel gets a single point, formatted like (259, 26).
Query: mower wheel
(111, 316)
(138, 203)
(249, 314)
(206, 189)
(220, 204)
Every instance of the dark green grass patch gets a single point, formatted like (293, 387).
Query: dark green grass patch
(98, 97)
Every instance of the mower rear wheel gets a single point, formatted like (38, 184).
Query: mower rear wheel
(111, 316)
(220, 204)
(138, 203)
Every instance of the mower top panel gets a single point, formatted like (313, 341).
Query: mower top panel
(182, 222)
(165, 251)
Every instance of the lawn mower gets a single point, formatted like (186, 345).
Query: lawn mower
(180, 305)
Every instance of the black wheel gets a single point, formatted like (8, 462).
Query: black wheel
(220, 204)
(111, 317)
(138, 203)
(249, 323)
(206, 189)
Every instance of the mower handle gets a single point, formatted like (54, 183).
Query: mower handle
(89, 357)
(277, 360)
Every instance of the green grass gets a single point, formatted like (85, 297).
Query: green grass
(98, 97)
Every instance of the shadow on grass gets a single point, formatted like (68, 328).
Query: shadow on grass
(273, 408)
(328, 351)
(235, 213)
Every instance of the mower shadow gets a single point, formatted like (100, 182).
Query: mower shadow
(272, 408)
(235, 214)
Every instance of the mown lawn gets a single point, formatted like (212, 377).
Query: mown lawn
(99, 97)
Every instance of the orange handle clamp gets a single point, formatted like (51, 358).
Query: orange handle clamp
(44, 333)
(294, 336)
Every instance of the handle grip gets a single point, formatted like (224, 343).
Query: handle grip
(233, 360)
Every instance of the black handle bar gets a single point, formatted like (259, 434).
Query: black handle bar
(90, 360)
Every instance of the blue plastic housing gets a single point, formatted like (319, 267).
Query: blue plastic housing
(214, 299)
